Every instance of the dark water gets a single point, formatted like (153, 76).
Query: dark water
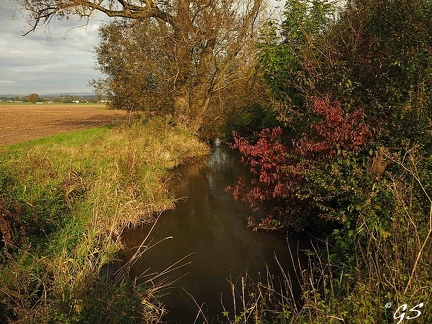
(212, 226)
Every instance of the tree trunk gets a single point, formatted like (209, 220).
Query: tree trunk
(190, 107)
(182, 107)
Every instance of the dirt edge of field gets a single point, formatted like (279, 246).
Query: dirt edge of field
(20, 123)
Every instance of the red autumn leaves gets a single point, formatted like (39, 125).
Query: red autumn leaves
(336, 130)
(279, 168)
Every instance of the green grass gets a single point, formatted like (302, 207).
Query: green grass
(71, 196)
(75, 138)
(15, 103)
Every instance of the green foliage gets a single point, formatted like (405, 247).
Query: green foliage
(372, 59)
(381, 262)
(273, 60)
(286, 56)
(306, 19)
(369, 55)
(383, 50)
(250, 119)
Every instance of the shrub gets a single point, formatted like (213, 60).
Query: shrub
(315, 178)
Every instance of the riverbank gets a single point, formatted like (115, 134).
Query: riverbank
(66, 201)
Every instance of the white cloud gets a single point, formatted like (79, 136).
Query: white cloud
(57, 58)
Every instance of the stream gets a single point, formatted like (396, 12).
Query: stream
(209, 223)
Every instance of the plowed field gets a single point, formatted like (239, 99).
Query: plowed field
(25, 122)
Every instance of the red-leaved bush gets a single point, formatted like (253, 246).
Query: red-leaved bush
(280, 170)
(336, 130)
(278, 178)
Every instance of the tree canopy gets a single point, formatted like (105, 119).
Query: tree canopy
(205, 42)
(33, 97)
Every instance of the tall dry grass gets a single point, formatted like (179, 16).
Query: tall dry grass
(78, 192)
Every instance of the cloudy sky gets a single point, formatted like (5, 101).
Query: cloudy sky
(57, 59)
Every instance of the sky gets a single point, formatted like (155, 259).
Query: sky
(56, 59)
(53, 59)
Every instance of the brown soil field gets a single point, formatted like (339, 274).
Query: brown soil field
(23, 122)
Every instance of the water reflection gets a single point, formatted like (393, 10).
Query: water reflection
(213, 226)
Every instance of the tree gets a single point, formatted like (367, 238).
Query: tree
(141, 70)
(288, 53)
(138, 61)
(208, 40)
(33, 97)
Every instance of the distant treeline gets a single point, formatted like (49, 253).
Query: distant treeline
(60, 98)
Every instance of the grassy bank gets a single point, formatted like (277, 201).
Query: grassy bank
(65, 201)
